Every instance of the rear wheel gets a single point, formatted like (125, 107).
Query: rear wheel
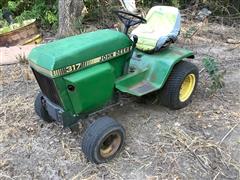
(182, 82)
(103, 140)
(40, 110)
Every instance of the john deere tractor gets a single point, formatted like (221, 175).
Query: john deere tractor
(81, 74)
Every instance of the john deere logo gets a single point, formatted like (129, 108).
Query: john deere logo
(78, 66)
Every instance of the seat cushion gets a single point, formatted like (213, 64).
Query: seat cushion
(163, 24)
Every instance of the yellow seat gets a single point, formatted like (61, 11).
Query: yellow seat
(163, 25)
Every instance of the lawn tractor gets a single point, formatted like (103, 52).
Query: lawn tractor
(81, 74)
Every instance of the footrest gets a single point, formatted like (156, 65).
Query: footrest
(136, 84)
(142, 88)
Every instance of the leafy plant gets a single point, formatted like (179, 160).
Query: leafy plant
(190, 32)
(12, 5)
(8, 28)
(175, 3)
(50, 17)
(46, 12)
(217, 76)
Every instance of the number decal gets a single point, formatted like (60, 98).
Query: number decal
(76, 67)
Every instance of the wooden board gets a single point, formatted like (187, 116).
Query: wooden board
(9, 55)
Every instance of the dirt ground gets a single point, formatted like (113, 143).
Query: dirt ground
(201, 141)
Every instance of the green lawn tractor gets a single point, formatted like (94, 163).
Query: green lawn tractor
(81, 74)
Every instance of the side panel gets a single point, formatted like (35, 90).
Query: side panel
(93, 87)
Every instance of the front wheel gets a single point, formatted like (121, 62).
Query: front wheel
(103, 140)
(182, 82)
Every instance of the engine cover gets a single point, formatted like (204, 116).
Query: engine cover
(76, 52)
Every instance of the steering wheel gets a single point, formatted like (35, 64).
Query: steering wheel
(129, 19)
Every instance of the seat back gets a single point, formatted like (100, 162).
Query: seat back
(163, 24)
(163, 18)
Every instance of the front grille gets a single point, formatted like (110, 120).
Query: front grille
(48, 87)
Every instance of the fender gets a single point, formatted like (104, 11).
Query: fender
(151, 71)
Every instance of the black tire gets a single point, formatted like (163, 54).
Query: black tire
(101, 135)
(40, 110)
(170, 93)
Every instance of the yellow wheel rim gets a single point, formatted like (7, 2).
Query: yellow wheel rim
(110, 145)
(187, 87)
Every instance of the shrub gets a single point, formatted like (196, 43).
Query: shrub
(43, 10)
(216, 76)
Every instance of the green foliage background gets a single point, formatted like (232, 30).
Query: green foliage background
(46, 11)
(219, 7)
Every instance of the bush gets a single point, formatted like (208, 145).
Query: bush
(218, 7)
(44, 11)
(101, 10)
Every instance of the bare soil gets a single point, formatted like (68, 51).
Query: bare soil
(201, 141)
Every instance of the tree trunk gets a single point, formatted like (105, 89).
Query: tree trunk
(69, 15)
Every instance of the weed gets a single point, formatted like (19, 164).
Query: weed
(22, 59)
(217, 76)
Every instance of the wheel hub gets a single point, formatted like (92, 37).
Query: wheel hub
(187, 87)
(110, 145)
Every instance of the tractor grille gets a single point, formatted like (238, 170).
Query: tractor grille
(48, 87)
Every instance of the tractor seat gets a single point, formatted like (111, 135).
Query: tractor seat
(162, 28)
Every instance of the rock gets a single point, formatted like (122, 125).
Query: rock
(203, 14)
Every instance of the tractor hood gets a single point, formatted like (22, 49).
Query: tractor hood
(79, 51)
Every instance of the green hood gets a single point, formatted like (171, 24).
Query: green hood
(77, 49)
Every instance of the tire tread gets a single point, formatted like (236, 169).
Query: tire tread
(169, 95)
(94, 132)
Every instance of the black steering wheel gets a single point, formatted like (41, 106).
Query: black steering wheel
(129, 19)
